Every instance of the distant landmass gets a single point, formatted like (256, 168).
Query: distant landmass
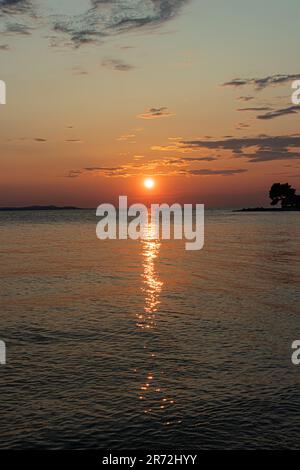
(41, 208)
(279, 193)
(267, 209)
(283, 193)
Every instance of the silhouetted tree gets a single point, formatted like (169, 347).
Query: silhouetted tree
(281, 193)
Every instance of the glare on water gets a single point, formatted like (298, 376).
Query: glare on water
(152, 285)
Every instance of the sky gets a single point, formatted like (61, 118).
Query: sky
(103, 93)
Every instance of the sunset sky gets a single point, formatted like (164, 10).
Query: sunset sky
(194, 93)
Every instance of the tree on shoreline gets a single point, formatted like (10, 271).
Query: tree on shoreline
(284, 194)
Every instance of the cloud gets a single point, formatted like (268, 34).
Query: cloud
(155, 113)
(102, 19)
(74, 173)
(117, 64)
(261, 155)
(79, 71)
(241, 126)
(96, 170)
(256, 149)
(39, 139)
(236, 82)
(261, 83)
(131, 14)
(199, 159)
(109, 17)
(226, 172)
(18, 28)
(245, 98)
(102, 168)
(257, 108)
(157, 167)
(280, 112)
(14, 6)
(77, 36)
(126, 137)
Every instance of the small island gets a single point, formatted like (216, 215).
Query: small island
(279, 193)
(39, 208)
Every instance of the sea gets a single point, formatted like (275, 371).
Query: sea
(141, 344)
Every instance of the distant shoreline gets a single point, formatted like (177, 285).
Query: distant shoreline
(266, 209)
(70, 208)
(42, 208)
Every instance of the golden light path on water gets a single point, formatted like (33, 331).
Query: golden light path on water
(152, 285)
(152, 396)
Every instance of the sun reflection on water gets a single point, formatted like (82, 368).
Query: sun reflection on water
(153, 397)
(152, 285)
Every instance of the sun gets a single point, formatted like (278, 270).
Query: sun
(149, 183)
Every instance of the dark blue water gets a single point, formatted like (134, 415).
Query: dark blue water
(141, 344)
